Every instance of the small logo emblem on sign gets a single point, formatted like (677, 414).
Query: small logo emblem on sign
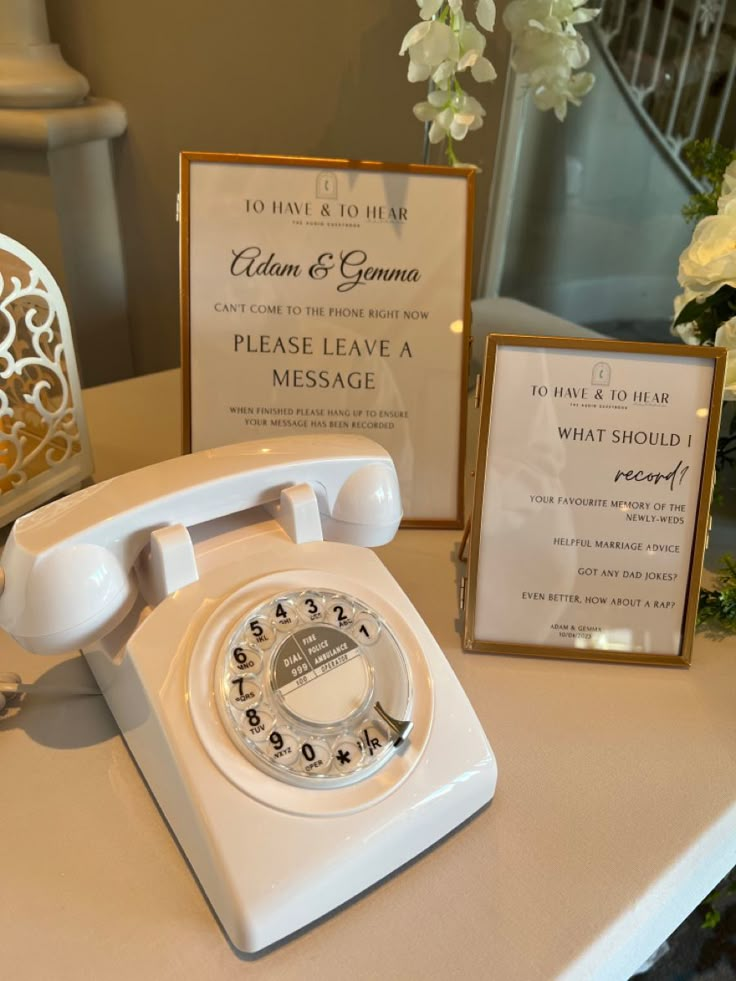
(327, 184)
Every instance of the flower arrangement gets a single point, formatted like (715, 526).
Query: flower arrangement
(705, 313)
(547, 53)
(719, 605)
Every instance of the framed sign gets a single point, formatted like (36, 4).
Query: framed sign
(593, 484)
(326, 296)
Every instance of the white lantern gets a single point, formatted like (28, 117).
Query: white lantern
(44, 447)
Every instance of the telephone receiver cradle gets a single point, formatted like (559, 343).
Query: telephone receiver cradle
(274, 684)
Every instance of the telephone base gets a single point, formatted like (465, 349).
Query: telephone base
(272, 855)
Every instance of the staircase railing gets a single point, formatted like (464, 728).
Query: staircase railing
(676, 62)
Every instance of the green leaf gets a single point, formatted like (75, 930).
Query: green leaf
(719, 605)
(690, 312)
(711, 919)
(707, 161)
(720, 303)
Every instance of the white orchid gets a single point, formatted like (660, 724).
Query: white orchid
(429, 43)
(441, 47)
(554, 88)
(485, 10)
(472, 46)
(539, 49)
(548, 51)
(451, 114)
(565, 14)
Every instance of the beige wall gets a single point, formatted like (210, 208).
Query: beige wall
(282, 77)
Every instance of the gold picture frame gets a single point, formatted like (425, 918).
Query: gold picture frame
(430, 467)
(591, 504)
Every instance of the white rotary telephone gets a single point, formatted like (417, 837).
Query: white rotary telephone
(290, 711)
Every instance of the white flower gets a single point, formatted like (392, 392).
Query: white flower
(429, 43)
(727, 200)
(472, 46)
(444, 73)
(483, 71)
(468, 115)
(539, 48)
(709, 261)
(707, 265)
(726, 337)
(548, 50)
(554, 89)
(418, 73)
(566, 13)
(686, 333)
(485, 11)
(440, 47)
(547, 53)
(451, 114)
(428, 8)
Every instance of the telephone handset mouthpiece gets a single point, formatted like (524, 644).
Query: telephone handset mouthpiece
(67, 567)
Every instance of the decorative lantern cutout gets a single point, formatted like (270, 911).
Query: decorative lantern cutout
(44, 447)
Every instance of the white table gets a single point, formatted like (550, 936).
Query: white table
(615, 812)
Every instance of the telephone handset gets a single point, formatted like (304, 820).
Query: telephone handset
(90, 540)
(274, 684)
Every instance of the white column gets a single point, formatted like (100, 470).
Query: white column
(24, 22)
(57, 190)
(33, 73)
